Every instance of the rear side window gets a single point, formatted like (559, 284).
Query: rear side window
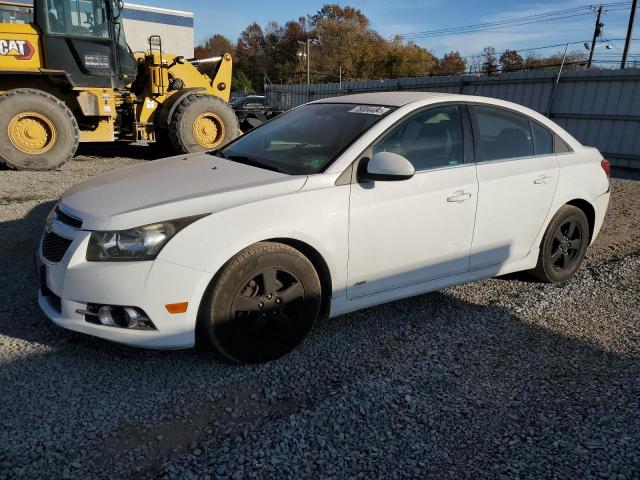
(542, 139)
(502, 134)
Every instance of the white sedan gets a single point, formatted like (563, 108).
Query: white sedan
(334, 206)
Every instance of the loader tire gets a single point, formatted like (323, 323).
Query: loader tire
(202, 122)
(37, 131)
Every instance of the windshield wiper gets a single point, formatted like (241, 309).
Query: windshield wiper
(253, 163)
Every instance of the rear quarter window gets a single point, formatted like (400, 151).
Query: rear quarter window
(542, 139)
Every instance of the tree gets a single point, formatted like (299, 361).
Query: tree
(490, 64)
(213, 46)
(511, 61)
(250, 55)
(451, 64)
(343, 40)
(241, 82)
(334, 12)
(408, 60)
(575, 60)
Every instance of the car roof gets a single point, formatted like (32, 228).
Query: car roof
(394, 99)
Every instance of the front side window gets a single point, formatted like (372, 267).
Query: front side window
(83, 18)
(502, 134)
(429, 139)
(305, 140)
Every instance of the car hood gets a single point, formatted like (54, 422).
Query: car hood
(172, 188)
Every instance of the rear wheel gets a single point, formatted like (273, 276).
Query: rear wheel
(37, 131)
(262, 305)
(202, 122)
(563, 246)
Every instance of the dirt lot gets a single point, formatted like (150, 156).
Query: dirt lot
(504, 378)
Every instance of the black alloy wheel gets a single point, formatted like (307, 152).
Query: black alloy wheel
(566, 246)
(563, 246)
(263, 304)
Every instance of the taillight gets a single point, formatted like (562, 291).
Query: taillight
(606, 166)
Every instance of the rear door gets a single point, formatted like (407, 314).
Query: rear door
(517, 178)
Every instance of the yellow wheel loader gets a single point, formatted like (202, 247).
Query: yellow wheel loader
(69, 77)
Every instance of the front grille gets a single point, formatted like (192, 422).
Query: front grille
(67, 219)
(54, 247)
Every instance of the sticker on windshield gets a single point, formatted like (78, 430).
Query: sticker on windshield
(369, 110)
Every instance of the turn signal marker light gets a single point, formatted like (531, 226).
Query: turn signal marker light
(177, 307)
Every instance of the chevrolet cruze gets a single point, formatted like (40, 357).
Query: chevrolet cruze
(334, 206)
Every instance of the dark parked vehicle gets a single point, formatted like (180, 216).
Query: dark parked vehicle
(252, 111)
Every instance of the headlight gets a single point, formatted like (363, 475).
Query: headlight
(141, 243)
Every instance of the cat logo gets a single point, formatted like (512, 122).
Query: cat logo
(19, 49)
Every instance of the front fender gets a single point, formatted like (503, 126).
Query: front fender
(318, 218)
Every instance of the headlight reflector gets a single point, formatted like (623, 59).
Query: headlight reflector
(140, 243)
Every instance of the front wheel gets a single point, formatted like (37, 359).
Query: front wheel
(563, 246)
(202, 122)
(262, 304)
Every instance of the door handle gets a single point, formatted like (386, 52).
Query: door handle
(459, 197)
(542, 180)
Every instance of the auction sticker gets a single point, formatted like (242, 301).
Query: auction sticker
(369, 110)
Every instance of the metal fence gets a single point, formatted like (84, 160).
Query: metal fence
(601, 108)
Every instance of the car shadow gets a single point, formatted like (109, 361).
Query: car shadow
(121, 150)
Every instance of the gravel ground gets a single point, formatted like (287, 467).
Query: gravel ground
(504, 378)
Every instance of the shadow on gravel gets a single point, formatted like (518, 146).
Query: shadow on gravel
(120, 149)
(625, 173)
(429, 387)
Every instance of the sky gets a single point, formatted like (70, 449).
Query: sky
(390, 17)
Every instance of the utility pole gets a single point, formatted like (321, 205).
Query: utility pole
(308, 61)
(627, 43)
(596, 33)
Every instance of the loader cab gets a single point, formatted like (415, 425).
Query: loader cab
(86, 39)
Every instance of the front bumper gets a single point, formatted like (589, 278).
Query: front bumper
(72, 283)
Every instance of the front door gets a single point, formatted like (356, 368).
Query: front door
(406, 232)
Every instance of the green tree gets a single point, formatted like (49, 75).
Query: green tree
(241, 82)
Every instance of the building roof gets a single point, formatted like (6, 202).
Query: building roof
(149, 8)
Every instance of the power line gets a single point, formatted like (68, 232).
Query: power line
(512, 22)
(500, 23)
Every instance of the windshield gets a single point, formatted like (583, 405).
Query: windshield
(305, 140)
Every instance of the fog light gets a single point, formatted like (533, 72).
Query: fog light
(121, 317)
(105, 315)
(135, 319)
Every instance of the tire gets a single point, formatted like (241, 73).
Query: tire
(563, 246)
(26, 112)
(241, 321)
(202, 122)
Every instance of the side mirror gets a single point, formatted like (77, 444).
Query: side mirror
(388, 166)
